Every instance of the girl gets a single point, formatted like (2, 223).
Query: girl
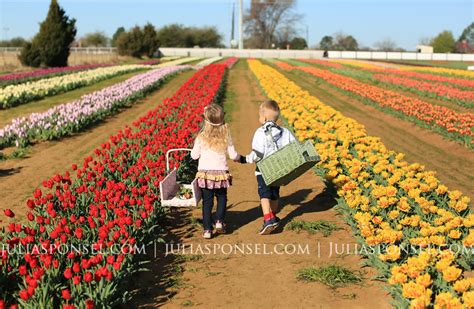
(213, 177)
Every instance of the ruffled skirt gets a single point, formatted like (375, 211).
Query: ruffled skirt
(207, 179)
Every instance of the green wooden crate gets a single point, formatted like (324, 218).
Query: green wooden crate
(288, 163)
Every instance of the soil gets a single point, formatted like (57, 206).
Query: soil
(237, 280)
(20, 177)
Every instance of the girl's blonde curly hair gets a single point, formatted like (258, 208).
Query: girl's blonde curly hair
(215, 134)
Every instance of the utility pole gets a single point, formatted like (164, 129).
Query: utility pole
(232, 37)
(241, 17)
(307, 36)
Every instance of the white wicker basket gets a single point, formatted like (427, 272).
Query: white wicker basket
(169, 188)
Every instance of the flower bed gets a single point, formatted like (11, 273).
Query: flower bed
(451, 124)
(23, 93)
(23, 77)
(72, 117)
(110, 200)
(429, 89)
(421, 233)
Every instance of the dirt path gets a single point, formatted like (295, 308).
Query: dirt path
(453, 163)
(18, 178)
(256, 280)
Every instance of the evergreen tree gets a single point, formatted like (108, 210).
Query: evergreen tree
(116, 35)
(53, 41)
(150, 40)
(131, 43)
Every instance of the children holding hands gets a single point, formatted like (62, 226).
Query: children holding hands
(211, 146)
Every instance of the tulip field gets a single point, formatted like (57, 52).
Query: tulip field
(111, 197)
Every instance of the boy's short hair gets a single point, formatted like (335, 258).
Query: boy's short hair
(270, 110)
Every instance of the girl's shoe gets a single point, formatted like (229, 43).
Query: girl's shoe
(220, 229)
(207, 234)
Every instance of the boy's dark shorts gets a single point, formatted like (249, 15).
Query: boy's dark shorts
(264, 191)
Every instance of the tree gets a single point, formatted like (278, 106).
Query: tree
(345, 42)
(53, 40)
(326, 43)
(117, 33)
(425, 41)
(172, 36)
(205, 37)
(131, 43)
(176, 35)
(14, 42)
(150, 40)
(30, 55)
(265, 19)
(444, 42)
(465, 43)
(95, 39)
(298, 43)
(387, 45)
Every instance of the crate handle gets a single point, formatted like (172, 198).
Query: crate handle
(168, 156)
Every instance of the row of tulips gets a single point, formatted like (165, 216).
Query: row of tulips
(451, 124)
(23, 77)
(395, 79)
(176, 62)
(23, 93)
(429, 70)
(69, 118)
(417, 233)
(453, 81)
(208, 61)
(109, 204)
(441, 71)
(430, 89)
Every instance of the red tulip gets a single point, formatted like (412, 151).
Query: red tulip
(89, 304)
(66, 294)
(68, 273)
(9, 213)
(24, 294)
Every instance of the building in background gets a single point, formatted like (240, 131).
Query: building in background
(424, 49)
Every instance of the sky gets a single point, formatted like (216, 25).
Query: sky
(369, 21)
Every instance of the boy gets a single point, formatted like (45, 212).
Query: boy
(267, 139)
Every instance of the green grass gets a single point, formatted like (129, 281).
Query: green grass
(190, 257)
(331, 275)
(195, 222)
(187, 303)
(322, 226)
(6, 115)
(213, 273)
(230, 105)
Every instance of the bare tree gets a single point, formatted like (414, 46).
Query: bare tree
(425, 40)
(268, 21)
(343, 41)
(386, 45)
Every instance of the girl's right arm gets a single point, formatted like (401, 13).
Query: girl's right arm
(196, 151)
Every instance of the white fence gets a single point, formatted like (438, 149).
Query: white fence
(275, 53)
(312, 54)
(373, 55)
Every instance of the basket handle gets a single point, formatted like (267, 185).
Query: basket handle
(168, 156)
(306, 155)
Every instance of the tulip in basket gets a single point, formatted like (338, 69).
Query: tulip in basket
(174, 194)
